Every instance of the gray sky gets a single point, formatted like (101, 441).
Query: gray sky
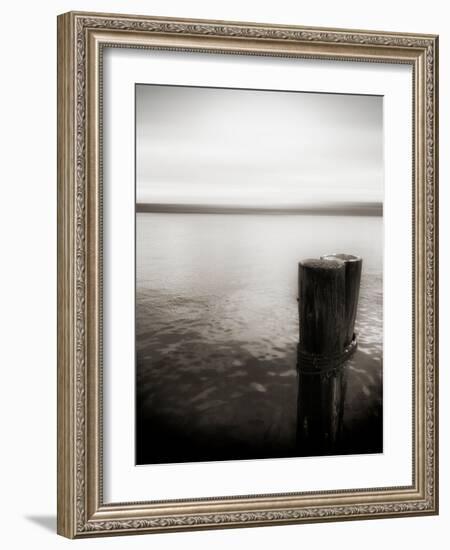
(257, 148)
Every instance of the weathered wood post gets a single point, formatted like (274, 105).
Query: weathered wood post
(324, 346)
(353, 268)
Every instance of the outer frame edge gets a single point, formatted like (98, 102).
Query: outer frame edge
(67, 523)
(65, 121)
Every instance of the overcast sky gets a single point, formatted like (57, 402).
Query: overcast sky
(257, 148)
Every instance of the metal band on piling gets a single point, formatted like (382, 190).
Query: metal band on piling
(312, 363)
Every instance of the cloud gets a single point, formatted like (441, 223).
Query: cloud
(203, 145)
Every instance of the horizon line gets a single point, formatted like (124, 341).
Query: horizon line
(353, 208)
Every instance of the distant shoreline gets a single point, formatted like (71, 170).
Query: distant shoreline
(343, 209)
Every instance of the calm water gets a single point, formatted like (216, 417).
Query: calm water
(217, 329)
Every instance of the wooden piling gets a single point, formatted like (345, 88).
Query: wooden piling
(353, 268)
(321, 302)
(323, 331)
(328, 302)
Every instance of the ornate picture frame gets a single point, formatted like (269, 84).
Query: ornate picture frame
(82, 38)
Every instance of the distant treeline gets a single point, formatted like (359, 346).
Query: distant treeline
(341, 209)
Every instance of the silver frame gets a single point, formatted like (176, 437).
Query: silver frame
(81, 39)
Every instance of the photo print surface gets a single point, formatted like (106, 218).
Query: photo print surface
(259, 274)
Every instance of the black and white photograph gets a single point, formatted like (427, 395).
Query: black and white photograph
(259, 274)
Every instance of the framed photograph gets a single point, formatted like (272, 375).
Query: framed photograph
(247, 274)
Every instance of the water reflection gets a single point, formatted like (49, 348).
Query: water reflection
(320, 411)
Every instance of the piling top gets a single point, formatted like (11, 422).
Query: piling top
(344, 257)
(322, 264)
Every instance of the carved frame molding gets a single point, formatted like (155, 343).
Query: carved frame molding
(81, 37)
